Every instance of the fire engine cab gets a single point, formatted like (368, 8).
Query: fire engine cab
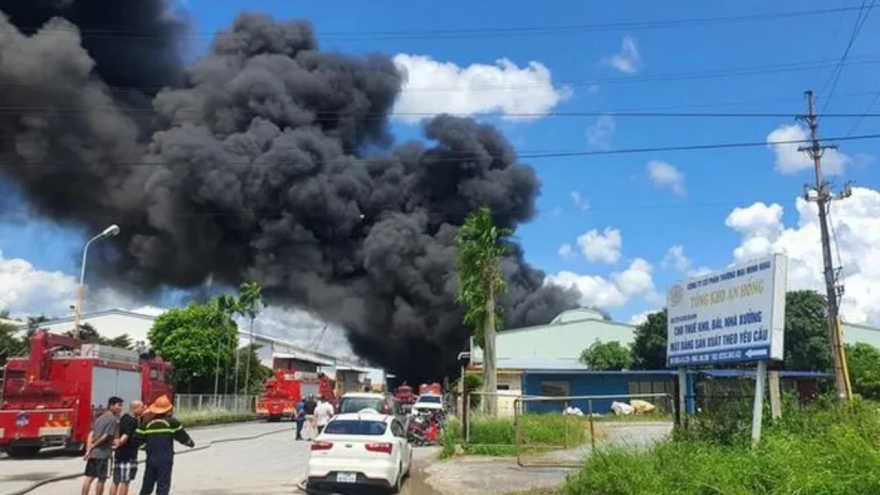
(50, 397)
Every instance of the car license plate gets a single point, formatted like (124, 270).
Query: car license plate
(346, 477)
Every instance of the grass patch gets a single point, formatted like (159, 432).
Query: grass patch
(828, 451)
(193, 419)
(497, 436)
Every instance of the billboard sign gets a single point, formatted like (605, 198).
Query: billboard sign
(729, 316)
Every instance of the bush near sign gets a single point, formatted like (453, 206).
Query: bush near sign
(728, 316)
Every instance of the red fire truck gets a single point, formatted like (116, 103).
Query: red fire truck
(282, 391)
(430, 388)
(51, 397)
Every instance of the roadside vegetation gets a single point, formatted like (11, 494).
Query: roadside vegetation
(825, 449)
(194, 419)
(497, 436)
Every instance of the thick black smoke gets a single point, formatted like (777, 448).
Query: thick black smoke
(268, 159)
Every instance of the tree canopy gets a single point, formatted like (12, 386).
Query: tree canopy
(202, 342)
(649, 346)
(606, 356)
(863, 361)
(481, 244)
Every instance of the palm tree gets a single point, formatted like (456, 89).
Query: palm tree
(481, 244)
(250, 303)
(223, 308)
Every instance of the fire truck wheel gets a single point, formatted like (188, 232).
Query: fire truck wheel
(23, 451)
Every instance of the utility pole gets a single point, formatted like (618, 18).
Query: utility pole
(822, 195)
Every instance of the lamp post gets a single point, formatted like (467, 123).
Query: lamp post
(81, 290)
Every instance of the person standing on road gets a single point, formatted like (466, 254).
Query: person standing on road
(99, 447)
(158, 436)
(300, 418)
(309, 409)
(126, 446)
(323, 412)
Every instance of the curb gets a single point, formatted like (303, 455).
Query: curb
(66, 477)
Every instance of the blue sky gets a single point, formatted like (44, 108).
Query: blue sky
(673, 71)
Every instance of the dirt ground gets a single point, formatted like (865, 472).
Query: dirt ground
(489, 476)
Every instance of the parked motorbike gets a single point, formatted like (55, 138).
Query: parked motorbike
(424, 430)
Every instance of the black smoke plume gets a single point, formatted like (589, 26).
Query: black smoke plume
(268, 159)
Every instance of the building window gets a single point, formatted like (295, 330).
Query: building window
(555, 389)
(503, 386)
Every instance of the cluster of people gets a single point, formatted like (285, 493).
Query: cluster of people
(116, 438)
(312, 415)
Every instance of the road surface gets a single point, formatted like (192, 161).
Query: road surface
(269, 465)
(16, 474)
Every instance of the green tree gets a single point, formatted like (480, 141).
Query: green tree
(649, 346)
(807, 345)
(250, 303)
(192, 338)
(481, 244)
(11, 344)
(606, 356)
(863, 361)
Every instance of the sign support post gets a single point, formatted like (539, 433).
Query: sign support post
(758, 408)
(682, 396)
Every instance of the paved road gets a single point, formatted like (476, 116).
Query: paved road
(17, 474)
(270, 465)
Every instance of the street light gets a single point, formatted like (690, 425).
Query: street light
(81, 290)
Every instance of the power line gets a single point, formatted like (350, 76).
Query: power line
(861, 18)
(672, 76)
(450, 156)
(521, 31)
(623, 207)
(75, 111)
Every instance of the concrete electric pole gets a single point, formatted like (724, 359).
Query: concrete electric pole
(822, 195)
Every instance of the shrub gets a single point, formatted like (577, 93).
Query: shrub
(497, 436)
(192, 419)
(818, 451)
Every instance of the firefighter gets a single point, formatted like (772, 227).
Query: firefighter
(158, 435)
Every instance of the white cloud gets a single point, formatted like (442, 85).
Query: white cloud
(639, 318)
(857, 222)
(665, 175)
(615, 291)
(628, 60)
(599, 134)
(676, 259)
(603, 247)
(434, 87)
(791, 161)
(579, 201)
(27, 291)
(565, 251)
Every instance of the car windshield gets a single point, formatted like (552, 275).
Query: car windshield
(433, 399)
(355, 427)
(356, 404)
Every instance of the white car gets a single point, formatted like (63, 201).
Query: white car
(428, 402)
(364, 448)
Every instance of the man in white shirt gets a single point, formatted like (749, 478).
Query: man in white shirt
(323, 412)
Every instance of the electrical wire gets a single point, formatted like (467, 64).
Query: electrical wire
(668, 77)
(861, 18)
(448, 156)
(514, 32)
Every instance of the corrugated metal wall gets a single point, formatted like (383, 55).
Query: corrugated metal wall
(588, 384)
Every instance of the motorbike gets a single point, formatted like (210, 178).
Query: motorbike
(424, 430)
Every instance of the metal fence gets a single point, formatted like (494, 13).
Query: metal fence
(562, 431)
(214, 403)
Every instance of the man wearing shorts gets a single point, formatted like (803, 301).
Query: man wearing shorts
(100, 447)
(125, 459)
